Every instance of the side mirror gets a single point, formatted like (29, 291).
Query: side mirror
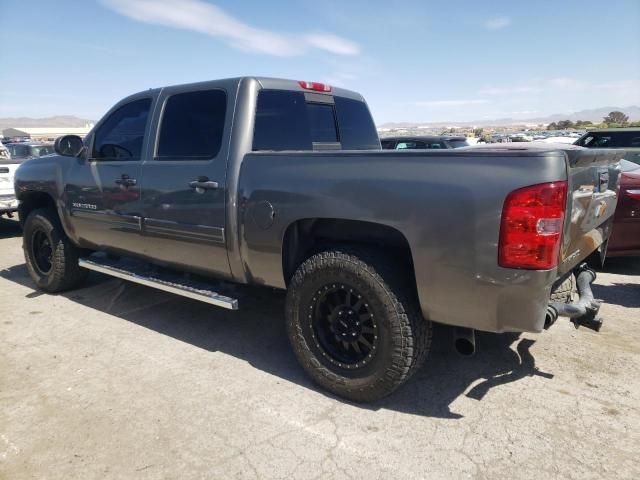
(68, 145)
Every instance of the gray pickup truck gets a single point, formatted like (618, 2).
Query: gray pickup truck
(284, 184)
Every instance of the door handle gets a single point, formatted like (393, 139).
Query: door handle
(203, 183)
(126, 181)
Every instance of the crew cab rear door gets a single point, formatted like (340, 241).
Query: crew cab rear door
(184, 180)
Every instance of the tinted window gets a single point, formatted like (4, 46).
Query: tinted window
(322, 122)
(121, 135)
(281, 121)
(192, 125)
(357, 130)
(18, 151)
(388, 144)
(629, 139)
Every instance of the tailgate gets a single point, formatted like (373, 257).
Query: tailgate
(593, 177)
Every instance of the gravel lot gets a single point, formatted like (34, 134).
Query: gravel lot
(121, 381)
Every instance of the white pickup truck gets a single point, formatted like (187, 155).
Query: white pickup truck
(8, 167)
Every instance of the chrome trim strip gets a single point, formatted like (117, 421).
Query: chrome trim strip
(206, 296)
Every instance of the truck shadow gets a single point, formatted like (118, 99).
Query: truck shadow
(9, 227)
(257, 335)
(623, 294)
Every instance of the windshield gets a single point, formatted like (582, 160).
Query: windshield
(627, 166)
(39, 151)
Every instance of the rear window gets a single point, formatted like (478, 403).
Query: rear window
(610, 140)
(322, 122)
(357, 130)
(286, 120)
(192, 125)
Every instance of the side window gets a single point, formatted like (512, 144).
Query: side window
(357, 130)
(388, 144)
(192, 125)
(121, 135)
(281, 122)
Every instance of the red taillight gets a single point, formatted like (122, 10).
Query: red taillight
(531, 228)
(315, 86)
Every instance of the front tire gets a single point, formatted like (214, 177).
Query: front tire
(52, 260)
(354, 324)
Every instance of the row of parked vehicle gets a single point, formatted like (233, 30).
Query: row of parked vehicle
(12, 154)
(625, 239)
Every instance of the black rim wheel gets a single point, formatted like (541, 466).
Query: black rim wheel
(343, 326)
(42, 251)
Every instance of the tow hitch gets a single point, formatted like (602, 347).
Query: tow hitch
(583, 312)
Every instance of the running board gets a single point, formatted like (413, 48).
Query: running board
(144, 274)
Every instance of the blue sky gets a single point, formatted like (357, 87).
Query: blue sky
(412, 60)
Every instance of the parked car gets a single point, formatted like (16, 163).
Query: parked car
(24, 151)
(283, 184)
(8, 166)
(424, 142)
(4, 152)
(625, 239)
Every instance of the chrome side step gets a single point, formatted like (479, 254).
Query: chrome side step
(136, 272)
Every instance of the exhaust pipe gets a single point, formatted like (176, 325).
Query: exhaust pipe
(584, 311)
(464, 341)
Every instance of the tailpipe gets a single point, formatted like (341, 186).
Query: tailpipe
(583, 312)
(464, 341)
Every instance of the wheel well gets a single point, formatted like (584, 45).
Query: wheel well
(31, 201)
(304, 238)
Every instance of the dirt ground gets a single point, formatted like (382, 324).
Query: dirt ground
(122, 381)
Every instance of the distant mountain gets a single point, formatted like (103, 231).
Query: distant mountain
(594, 115)
(57, 121)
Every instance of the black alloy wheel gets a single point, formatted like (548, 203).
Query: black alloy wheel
(343, 327)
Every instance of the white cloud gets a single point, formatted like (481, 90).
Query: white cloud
(448, 103)
(332, 43)
(509, 90)
(497, 23)
(209, 19)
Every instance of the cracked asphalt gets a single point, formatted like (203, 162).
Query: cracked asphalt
(117, 380)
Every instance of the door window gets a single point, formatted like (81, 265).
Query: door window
(121, 135)
(192, 125)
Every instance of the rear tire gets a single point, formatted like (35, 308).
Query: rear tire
(52, 260)
(354, 323)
